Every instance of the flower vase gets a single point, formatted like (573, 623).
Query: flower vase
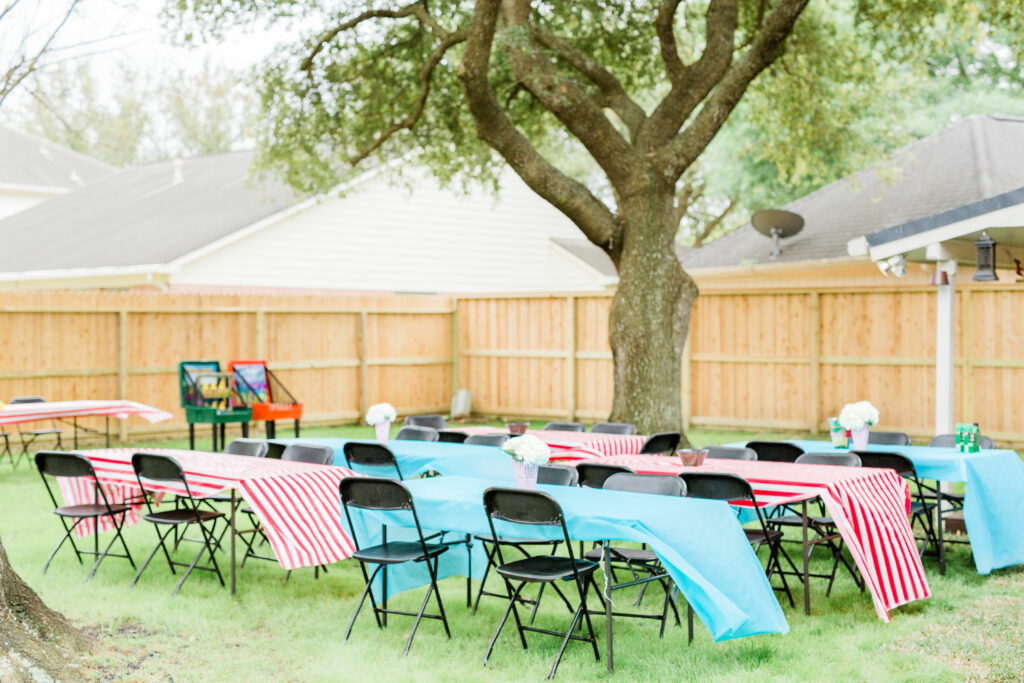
(859, 437)
(383, 431)
(525, 474)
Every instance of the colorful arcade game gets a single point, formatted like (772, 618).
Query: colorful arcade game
(259, 388)
(208, 397)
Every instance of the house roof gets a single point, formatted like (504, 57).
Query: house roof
(31, 162)
(595, 257)
(977, 159)
(141, 216)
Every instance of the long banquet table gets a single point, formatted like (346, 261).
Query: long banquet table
(993, 496)
(869, 506)
(20, 413)
(575, 444)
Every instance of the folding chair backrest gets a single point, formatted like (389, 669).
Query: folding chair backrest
(375, 493)
(27, 399)
(726, 453)
(659, 484)
(157, 467)
(486, 439)
(416, 433)
(661, 443)
(521, 506)
(432, 421)
(594, 474)
(835, 459)
(370, 455)
(451, 436)
(903, 465)
(254, 448)
(564, 426)
(949, 441)
(557, 475)
(775, 451)
(716, 486)
(889, 438)
(613, 428)
(318, 455)
(59, 464)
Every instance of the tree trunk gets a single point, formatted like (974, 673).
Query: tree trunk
(650, 314)
(36, 643)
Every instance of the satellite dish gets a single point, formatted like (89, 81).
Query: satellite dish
(776, 223)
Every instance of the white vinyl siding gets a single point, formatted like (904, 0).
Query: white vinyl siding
(384, 238)
(14, 201)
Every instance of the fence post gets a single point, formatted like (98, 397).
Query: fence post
(122, 368)
(967, 379)
(261, 334)
(456, 350)
(570, 375)
(815, 343)
(361, 343)
(687, 377)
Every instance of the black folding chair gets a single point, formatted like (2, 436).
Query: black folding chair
(28, 437)
(432, 421)
(486, 439)
(451, 436)
(733, 488)
(888, 438)
(656, 444)
(823, 526)
(593, 474)
(564, 427)
(949, 441)
(775, 451)
(252, 448)
(613, 428)
(163, 469)
(921, 508)
(370, 455)
(726, 453)
(376, 493)
(639, 561)
(537, 508)
(416, 433)
(75, 466)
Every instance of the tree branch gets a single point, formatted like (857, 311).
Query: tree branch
(494, 127)
(711, 225)
(25, 66)
(421, 101)
(684, 148)
(692, 83)
(615, 96)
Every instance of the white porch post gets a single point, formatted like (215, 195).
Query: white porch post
(945, 322)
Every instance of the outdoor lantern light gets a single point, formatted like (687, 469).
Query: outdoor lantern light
(985, 259)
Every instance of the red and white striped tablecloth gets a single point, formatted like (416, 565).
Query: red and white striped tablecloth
(51, 410)
(576, 445)
(297, 503)
(870, 507)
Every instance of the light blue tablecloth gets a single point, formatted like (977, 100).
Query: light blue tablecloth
(419, 457)
(993, 498)
(700, 542)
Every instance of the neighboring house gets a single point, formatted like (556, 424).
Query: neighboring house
(979, 159)
(33, 170)
(203, 224)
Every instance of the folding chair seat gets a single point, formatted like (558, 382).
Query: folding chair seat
(75, 466)
(641, 560)
(377, 493)
(162, 471)
(536, 508)
(417, 433)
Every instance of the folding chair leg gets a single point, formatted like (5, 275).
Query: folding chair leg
(565, 640)
(66, 537)
(504, 618)
(96, 565)
(158, 546)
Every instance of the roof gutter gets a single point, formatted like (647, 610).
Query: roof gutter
(154, 275)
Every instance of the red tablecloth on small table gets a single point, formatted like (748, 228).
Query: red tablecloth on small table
(870, 507)
(298, 504)
(51, 410)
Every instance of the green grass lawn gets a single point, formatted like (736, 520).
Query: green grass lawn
(972, 627)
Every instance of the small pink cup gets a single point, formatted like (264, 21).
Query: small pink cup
(517, 428)
(692, 457)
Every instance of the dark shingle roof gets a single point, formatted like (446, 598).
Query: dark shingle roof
(140, 216)
(26, 160)
(978, 158)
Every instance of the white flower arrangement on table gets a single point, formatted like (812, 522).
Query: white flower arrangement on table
(379, 413)
(528, 449)
(859, 415)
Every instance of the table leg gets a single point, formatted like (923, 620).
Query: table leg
(607, 557)
(942, 532)
(107, 418)
(74, 425)
(214, 447)
(233, 532)
(191, 436)
(807, 570)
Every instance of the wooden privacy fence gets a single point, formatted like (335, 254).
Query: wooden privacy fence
(337, 355)
(765, 358)
(775, 359)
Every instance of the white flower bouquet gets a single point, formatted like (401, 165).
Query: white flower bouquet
(380, 413)
(528, 449)
(859, 415)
